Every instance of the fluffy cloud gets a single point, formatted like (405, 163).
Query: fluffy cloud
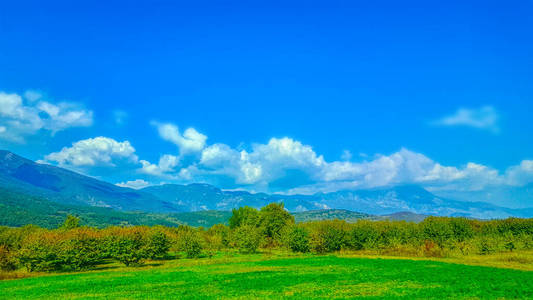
(191, 140)
(164, 168)
(521, 174)
(285, 165)
(134, 184)
(483, 118)
(282, 158)
(265, 163)
(94, 152)
(24, 116)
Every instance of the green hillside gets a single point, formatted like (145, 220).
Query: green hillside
(20, 210)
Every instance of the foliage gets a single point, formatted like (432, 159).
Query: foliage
(7, 259)
(244, 216)
(71, 222)
(273, 218)
(74, 247)
(127, 245)
(299, 239)
(158, 244)
(247, 238)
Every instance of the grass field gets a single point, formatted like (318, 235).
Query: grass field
(259, 276)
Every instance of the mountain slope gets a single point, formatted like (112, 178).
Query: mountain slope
(24, 176)
(20, 175)
(379, 201)
(19, 210)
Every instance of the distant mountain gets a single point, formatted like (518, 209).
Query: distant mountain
(380, 201)
(19, 210)
(24, 176)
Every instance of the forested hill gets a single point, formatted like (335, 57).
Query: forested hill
(19, 210)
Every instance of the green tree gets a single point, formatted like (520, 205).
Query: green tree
(191, 243)
(158, 245)
(273, 218)
(71, 222)
(299, 239)
(247, 238)
(7, 259)
(244, 216)
(129, 247)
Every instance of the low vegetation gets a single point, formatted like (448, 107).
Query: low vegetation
(72, 247)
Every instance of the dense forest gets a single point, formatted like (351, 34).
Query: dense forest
(75, 247)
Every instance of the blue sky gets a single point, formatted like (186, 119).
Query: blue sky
(320, 96)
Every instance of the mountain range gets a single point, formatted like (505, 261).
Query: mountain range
(21, 176)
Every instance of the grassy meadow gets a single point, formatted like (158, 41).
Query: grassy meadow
(266, 254)
(282, 275)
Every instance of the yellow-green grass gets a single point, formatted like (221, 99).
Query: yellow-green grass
(280, 276)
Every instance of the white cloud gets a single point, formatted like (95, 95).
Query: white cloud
(265, 163)
(94, 152)
(21, 117)
(191, 140)
(134, 184)
(165, 167)
(521, 174)
(485, 117)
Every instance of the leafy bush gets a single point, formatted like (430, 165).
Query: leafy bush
(191, 244)
(40, 251)
(71, 222)
(328, 236)
(244, 216)
(80, 249)
(247, 238)
(272, 219)
(158, 245)
(127, 245)
(7, 259)
(299, 239)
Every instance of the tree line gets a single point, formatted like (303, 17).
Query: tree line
(72, 247)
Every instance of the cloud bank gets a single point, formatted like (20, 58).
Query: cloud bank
(287, 165)
(26, 115)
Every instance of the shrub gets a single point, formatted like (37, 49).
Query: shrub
(71, 222)
(273, 218)
(244, 216)
(247, 238)
(364, 235)
(299, 239)
(127, 245)
(437, 229)
(40, 251)
(328, 236)
(216, 238)
(191, 243)
(80, 249)
(158, 245)
(7, 259)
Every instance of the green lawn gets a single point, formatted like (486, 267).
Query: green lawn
(300, 277)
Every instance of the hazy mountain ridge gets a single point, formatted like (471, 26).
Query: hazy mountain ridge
(67, 187)
(26, 177)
